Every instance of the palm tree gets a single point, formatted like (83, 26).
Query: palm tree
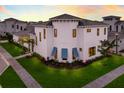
(30, 42)
(106, 46)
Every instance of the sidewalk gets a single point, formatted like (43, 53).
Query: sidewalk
(3, 41)
(106, 79)
(21, 56)
(28, 80)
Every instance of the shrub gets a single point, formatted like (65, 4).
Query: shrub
(40, 57)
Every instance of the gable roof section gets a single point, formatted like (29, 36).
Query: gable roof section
(65, 16)
(111, 16)
(89, 22)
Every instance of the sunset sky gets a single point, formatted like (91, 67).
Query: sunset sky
(43, 13)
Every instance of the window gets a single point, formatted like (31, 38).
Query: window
(55, 32)
(122, 27)
(110, 28)
(44, 31)
(116, 28)
(97, 31)
(74, 33)
(64, 53)
(17, 26)
(36, 40)
(54, 52)
(12, 26)
(40, 36)
(92, 51)
(104, 31)
(21, 28)
(98, 46)
(88, 30)
(80, 49)
(75, 53)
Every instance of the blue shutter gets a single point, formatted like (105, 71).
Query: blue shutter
(64, 54)
(75, 52)
(54, 51)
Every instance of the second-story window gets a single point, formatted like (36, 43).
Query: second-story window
(104, 31)
(55, 32)
(97, 31)
(21, 28)
(44, 31)
(36, 40)
(12, 26)
(88, 30)
(17, 26)
(40, 36)
(74, 34)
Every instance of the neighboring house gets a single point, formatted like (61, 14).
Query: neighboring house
(2, 29)
(116, 26)
(28, 33)
(67, 38)
(12, 25)
(22, 34)
(114, 22)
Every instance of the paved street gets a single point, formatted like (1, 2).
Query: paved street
(106, 79)
(28, 80)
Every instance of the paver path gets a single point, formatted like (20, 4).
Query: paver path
(28, 80)
(106, 79)
(21, 56)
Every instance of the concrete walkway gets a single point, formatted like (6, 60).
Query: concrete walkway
(3, 65)
(106, 79)
(28, 80)
(3, 41)
(18, 57)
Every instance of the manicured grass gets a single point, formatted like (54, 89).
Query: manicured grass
(12, 49)
(117, 83)
(52, 77)
(9, 79)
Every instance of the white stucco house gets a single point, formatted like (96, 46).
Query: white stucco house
(12, 25)
(115, 27)
(67, 38)
(114, 22)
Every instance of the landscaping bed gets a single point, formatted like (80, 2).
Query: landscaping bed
(64, 78)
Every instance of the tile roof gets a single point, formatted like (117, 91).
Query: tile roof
(89, 22)
(111, 16)
(65, 16)
(119, 22)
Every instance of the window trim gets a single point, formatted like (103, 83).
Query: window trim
(40, 36)
(44, 31)
(74, 33)
(98, 32)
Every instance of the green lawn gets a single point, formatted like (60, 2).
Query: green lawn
(12, 49)
(9, 79)
(51, 77)
(117, 83)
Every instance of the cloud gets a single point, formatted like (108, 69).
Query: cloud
(5, 11)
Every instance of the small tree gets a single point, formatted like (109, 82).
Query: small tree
(106, 46)
(9, 37)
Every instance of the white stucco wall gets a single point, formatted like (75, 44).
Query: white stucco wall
(64, 39)
(92, 40)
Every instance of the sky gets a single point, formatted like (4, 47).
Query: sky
(44, 12)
